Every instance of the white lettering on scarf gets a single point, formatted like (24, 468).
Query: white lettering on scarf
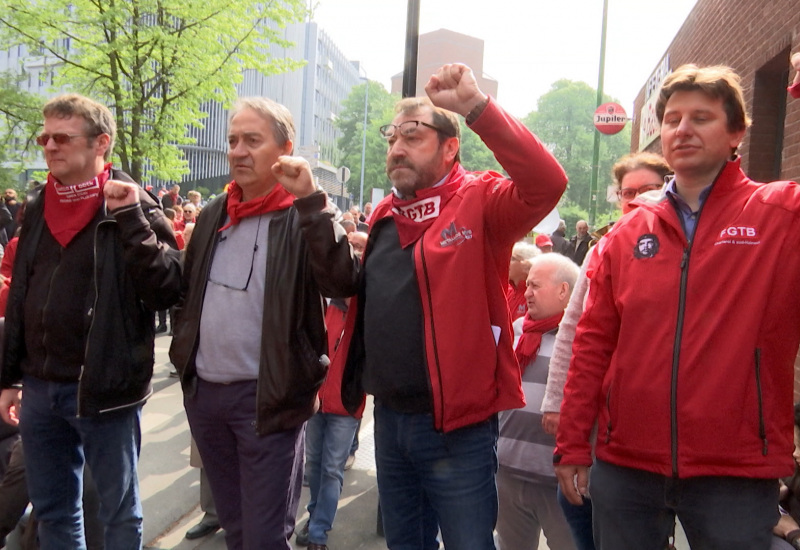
(78, 192)
(421, 210)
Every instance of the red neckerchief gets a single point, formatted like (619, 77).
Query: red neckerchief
(70, 208)
(532, 331)
(414, 216)
(277, 199)
(794, 89)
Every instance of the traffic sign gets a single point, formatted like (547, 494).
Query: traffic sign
(342, 174)
(610, 118)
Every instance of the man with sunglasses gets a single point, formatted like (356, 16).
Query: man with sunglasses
(429, 333)
(96, 258)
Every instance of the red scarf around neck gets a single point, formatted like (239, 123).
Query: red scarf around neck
(528, 346)
(794, 90)
(277, 199)
(414, 216)
(70, 208)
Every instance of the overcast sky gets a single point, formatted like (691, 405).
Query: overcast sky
(529, 44)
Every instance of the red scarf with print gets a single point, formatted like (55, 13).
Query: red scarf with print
(70, 208)
(531, 339)
(414, 216)
(277, 199)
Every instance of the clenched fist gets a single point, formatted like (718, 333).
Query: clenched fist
(294, 174)
(120, 193)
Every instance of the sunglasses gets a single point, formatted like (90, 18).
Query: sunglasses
(59, 139)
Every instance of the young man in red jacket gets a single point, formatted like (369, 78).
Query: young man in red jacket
(433, 339)
(684, 355)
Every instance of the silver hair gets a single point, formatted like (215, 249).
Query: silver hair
(566, 271)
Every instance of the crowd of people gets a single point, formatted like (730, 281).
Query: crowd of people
(595, 389)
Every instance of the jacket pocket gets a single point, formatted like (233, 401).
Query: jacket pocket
(762, 431)
(609, 424)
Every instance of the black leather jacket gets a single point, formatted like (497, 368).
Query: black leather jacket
(309, 256)
(136, 272)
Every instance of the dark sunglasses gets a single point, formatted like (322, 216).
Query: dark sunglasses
(60, 139)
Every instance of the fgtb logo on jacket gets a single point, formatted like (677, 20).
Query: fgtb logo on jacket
(453, 236)
(738, 234)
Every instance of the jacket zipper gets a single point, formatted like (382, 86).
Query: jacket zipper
(762, 430)
(429, 298)
(676, 348)
(676, 355)
(608, 409)
(91, 313)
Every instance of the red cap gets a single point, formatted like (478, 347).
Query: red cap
(543, 240)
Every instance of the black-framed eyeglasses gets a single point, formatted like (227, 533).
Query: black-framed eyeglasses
(406, 128)
(629, 193)
(231, 284)
(60, 139)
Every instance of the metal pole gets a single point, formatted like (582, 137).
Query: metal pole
(596, 153)
(412, 45)
(364, 144)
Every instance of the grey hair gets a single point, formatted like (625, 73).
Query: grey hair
(277, 114)
(525, 251)
(566, 271)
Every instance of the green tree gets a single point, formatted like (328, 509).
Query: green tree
(564, 122)
(475, 155)
(153, 62)
(380, 106)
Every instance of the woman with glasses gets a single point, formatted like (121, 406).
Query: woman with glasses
(634, 176)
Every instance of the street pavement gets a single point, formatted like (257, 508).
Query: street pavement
(170, 488)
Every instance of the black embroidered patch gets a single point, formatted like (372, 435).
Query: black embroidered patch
(646, 246)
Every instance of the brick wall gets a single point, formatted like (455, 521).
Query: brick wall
(755, 38)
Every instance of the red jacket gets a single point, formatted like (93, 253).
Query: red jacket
(461, 264)
(515, 299)
(701, 381)
(330, 393)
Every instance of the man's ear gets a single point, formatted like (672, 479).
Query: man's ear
(102, 142)
(451, 147)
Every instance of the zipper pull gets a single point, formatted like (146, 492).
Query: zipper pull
(685, 257)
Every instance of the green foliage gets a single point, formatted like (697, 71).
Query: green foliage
(475, 156)
(564, 122)
(380, 111)
(571, 214)
(153, 62)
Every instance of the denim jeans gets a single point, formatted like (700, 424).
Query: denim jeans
(636, 509)
(579, 519)
(425, 475)
(328, 441)
(57, 443)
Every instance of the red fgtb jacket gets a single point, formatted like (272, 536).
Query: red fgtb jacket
(685, 352)
(461, 265)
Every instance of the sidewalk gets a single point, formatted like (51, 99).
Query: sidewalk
(170, 488)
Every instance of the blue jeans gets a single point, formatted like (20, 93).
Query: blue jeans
(328, 441)
(425, 475)
(579, 519)
(636, 509)
(57, 443)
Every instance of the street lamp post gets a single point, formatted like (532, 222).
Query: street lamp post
(596, 151)
(364, 143)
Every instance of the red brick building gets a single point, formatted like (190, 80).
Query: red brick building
(755, 38)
